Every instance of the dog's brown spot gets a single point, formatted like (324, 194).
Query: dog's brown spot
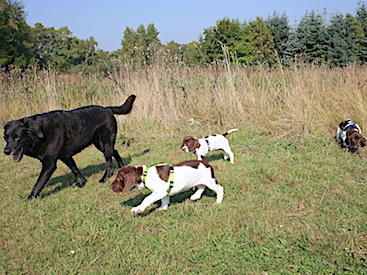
(163, 172)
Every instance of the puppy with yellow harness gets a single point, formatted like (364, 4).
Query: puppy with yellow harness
(165, 180)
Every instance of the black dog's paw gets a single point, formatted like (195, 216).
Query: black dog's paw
(32, 196)
(80, 182)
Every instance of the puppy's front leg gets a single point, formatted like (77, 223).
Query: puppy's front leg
(152, 198)
(164, 203)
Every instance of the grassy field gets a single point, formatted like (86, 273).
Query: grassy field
(293, 201)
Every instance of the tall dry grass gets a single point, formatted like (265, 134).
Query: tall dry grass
(280, 101)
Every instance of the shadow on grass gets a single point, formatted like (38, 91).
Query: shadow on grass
(69, 179)
(215, 156)
(179, 198)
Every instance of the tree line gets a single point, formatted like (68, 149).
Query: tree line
(271, 42)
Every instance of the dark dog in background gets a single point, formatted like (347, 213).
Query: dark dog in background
(349, 135)
(62, 134)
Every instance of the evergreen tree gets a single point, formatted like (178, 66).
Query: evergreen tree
(362, 18)
(344, 37)
(312, 38)
(280, 30)
(292, 49)
(362, 15)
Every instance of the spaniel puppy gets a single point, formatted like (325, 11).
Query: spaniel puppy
(203, 146)
(165, 180)
(349, 135)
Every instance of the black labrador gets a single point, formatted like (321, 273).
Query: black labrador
(62, 134)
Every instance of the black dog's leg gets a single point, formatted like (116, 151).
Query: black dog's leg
(48, 167)
(107, 173)
(80, 180)
(118, 158)
(106, 147)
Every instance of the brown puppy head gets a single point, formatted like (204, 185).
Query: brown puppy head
(127, 178)
(355, 140)
(189, 144)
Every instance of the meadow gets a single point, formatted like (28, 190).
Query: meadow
(294, 202)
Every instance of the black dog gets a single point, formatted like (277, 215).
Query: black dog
(62, 134)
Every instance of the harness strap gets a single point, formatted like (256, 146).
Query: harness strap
(171, 176)
(171, 179)
(145, 173)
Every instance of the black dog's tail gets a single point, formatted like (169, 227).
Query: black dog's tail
(124, 108)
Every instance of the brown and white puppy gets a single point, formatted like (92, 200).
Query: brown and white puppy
(203, 146)
(165, 180)
(349, 135)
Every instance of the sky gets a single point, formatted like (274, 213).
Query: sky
(181, 21)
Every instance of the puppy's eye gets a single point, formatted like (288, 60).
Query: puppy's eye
(16, 137)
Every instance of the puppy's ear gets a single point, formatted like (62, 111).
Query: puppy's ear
(34, 126)
(129, 182)
(363, 142)
(347, 141)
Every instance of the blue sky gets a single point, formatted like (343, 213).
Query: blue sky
(180, 21)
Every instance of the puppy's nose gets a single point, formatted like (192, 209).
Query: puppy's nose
(6, 151)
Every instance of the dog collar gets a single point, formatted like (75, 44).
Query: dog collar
(349, 126)
(171, 176)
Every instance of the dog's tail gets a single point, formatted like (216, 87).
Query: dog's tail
(124, 108)
(230, 131)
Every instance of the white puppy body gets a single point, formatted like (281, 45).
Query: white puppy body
(186, 175)
(201, 147)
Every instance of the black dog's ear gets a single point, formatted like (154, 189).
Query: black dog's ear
(34, 126)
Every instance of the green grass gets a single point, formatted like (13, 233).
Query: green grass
(290, 206)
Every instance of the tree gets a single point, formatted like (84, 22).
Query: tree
(362, 18)
(292, 49)
(312, 38)
(192, 54)
(60, 49)
(362, 15)
(244, 49)
(15, 44)
(344, 40)
(280, 30)
(227, 32)
(140, 45)
(263, 42)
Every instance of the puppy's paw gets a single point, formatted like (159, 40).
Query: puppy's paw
(195, 197)
(136, 210)
(161, 208)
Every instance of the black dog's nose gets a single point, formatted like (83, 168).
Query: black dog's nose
(6, 151)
